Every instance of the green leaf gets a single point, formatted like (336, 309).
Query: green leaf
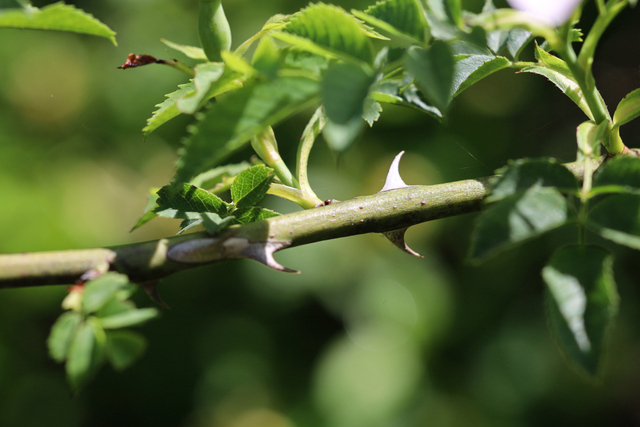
(345, 88)
(621, 171)
(167, 110)
(190, 51)
(372, 110)
(253, 214)
(62, 333)
(556, 70)
(209, 84)
(124, 348)
(148, 213)
(403, 93)
(84, 356)
(516, 219)
(589, 137)
(628, 109)
(251, 185)
(99, 291)
(189, 199)
(302, 59)
(214, 178)
(128, 318)
(617, 218)
(230, 123)
(471, 69)
(329, 29)
(267, 57)
(582, 301)
(446, 10)
(516, 41)
(58, 17)
(402, 19)
(523, 174)
(214, 223)
(433, 70)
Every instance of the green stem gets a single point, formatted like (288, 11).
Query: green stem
(148, 261)
(311, 132)
(177, 65)
(294, 195)
(213, 28)
(266, 148)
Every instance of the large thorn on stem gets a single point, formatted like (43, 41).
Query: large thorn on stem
(394, 181)
(397, 238)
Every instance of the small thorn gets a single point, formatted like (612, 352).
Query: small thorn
(394, 181)
(151, 288)
(397, 238)
(263, 253)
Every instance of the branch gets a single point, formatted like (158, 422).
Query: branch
(150, 261)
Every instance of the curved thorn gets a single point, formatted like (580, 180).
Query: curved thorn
(151, 288)
(263, 253)
(394, 181)
(397, 238)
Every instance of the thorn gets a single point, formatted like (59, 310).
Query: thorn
(394, 181)
(151, 288)
(263, 253)
(397, 238)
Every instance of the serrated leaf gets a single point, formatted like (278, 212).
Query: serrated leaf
(251, 185)
(128, 318)
(523, 174)
(331, 29)
(302, 59)
(433, 70)
(516, 219)
(399, 92)
(253, 214)
(190, 51)
(205, 75)
(556, 70)
(230, 123)
(189, 199)
(402, 20)
(215, 177)
(99, 291)
(167, 110)
(473, 68)
(148, 213)
(58, 17)
(617, 218)
(62, 333)
(516, 41)
(214, 223)
(207, 86)
(266, 59)
(628, 109)
(371, 112)
(582, 301)
(188, 224)
(124, 348)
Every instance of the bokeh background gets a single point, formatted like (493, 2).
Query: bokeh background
(366, 335)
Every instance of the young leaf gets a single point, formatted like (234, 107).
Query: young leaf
(473, 68)
(190, 51)
(230, 123)
(62, 333)
(628, 109)
(253, 214)
(402, 19)
(82, 357)
(167, 110)
(206, 75)
(189, 198)
(99, 291)
(57, 16)
(433, 70)
(344, 89)
(123, 348)
(329, 29)
(251, 185)
(582, 301)
(556, 70)
(617, 218)
(128, 318)
(589, 137)
(620, 171)
(523, 174)
(517, 218)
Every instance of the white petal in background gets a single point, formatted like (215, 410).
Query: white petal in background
(550, 12)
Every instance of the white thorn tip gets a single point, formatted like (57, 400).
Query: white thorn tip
(394, 180)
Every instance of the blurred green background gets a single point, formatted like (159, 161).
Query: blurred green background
(366, 335)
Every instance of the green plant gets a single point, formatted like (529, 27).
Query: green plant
(345, 66)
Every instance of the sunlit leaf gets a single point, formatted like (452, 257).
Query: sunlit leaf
(582, 302)
(589, 137)
(398, 18)
(124, 348)
(331, 28)
(251, 185)
(556, 70)
(628, 109)
(167, 110)
(57, 16)
(267, 57)
(148, 213)
(190, 51)
(128, 318)
(62, 333)
(189, 198)
(516, 219)
(253, 214)
(474, 68)
(213, 223)
(230, 123)
(523, 174)
(400, 92)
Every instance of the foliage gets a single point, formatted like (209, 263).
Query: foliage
(348, 67)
